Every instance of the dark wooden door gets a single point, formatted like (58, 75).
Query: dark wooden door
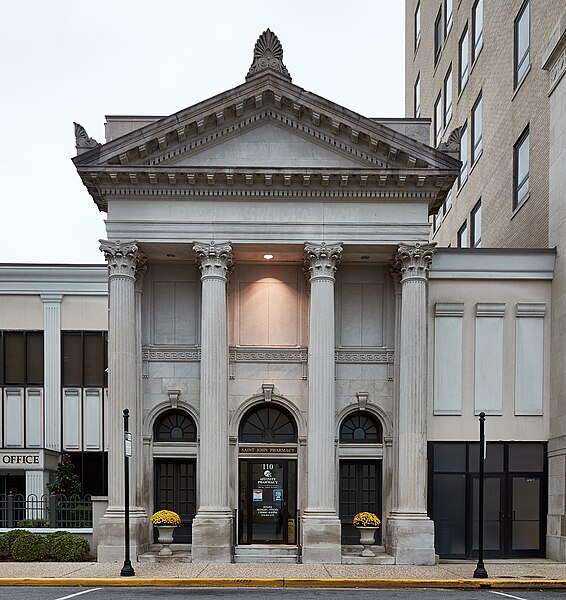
(360, 490)
(175, 489)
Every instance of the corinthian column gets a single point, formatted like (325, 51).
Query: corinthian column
(321, 526)
(123, 259)
(412, 532)
(212, 523)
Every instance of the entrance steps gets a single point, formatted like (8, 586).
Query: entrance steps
(351, 556)
(181, 553)
(264, 553)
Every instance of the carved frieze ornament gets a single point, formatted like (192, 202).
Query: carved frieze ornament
(414, 260)
(321, 261)
(214, 260)
(141, 272)
(268, 56)
(122, 258)
(82, 141)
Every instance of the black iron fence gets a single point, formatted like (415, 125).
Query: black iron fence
(58, 512)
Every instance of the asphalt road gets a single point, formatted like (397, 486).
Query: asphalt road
(46, 593)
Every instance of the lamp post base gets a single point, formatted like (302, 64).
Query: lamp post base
(480, 572)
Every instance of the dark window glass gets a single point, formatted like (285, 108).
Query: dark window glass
(72, 359)
(463, 64)
(417, 25)
(477, 27)
(15, 354)
(94, 351)
(267, 424)
(526, 457)
(463, 236)
(175, 426)
(449, 501)
(92, 469)
(361, 428)
(450, 457)
(475, 221)
(477, 129)
(34, 357)
(493, 458)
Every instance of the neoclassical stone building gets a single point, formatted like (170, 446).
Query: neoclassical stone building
(291, 348)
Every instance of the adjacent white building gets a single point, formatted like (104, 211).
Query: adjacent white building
(291, 348)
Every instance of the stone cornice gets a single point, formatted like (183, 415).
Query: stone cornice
(91, 280)
(315, 114)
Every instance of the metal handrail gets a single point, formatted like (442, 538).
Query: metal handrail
(298, 538)
(234, 535)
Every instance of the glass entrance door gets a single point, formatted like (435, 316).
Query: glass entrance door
(512, 516)
(268, 501)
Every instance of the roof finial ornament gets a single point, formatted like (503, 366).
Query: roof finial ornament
(268, 55)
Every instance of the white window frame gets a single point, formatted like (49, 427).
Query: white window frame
(463, 59)
(477, 129)
(521, 152)
(523, 61)
(477, 29)
(448, 96)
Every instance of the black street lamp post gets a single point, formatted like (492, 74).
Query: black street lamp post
(480, 572)
(127, 569)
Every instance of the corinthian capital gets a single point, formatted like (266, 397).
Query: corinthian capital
(214, 261)
(321, 260)
(414, 260)
(122, 258)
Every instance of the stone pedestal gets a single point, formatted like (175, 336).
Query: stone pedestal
(321, 526)
(123, 259)
(212, 525)
(411, 532)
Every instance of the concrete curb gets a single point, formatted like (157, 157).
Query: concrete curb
(283, 582)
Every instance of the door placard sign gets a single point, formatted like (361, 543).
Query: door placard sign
(258, 495)
(128, 444)
(278, 495)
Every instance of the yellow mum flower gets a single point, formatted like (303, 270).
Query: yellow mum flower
(366, 519)
(165, 517)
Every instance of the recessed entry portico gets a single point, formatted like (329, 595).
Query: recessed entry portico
(267, 487)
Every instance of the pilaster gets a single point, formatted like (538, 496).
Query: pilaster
(321, 526)
(212, 525)
(52, 369)
(412, 532)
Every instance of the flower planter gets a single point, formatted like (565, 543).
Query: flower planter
(165, 539)
(367, 539)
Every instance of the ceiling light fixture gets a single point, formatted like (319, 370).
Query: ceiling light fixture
(268, 256)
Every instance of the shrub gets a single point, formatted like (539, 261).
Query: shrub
(29, 547)
(33, 523)
(10, 537)
(70, 548)
(4, 545)
(51, 538)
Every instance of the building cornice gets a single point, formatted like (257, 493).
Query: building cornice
(54, 279)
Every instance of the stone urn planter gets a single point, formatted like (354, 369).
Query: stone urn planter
(165, 521)
(165, 539)
(367, 539)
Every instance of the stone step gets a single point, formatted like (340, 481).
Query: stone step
(262, 553)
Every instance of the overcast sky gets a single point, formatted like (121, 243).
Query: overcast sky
(72, 60)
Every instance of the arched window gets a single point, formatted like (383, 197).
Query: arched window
(175, 426)
(361, 428)
(267, 424)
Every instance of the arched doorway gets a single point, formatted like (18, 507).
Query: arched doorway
(267, 510)
(175, 473)
(361, 452)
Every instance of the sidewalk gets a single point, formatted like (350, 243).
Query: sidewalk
(531, 573)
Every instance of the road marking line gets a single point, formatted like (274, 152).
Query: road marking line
(502, 594)
(78, 594)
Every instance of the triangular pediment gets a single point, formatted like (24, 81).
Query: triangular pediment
(267, 145)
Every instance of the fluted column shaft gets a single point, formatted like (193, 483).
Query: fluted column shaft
(214, 263)
(414, 262)
(122, 260)
(396, 276)
(322, 262)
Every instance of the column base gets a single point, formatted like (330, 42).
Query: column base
(111, 535)
(212, 537)
(411, 539)
(322, 535)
